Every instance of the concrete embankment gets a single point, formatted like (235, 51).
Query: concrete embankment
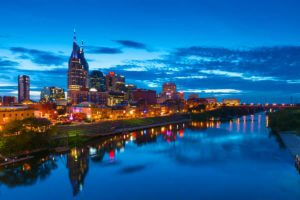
(291, 141)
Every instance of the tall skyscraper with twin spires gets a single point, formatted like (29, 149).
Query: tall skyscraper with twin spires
(78, 68)
(78, 71)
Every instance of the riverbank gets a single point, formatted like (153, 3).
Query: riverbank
(108, 128)
(286, 124)
(224, 114)
(68, 136)
(285, 120)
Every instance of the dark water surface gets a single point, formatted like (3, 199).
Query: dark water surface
(236, 160)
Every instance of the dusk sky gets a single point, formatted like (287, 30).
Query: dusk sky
(249, 49)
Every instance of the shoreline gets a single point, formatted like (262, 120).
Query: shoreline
(69, 136)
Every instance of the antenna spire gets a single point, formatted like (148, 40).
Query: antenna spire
(74, 35)
(81, 47)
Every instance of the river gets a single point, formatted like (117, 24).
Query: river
(209, 160)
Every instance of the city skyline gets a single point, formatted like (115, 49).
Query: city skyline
(249, 58)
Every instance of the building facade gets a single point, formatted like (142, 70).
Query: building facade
(169, 89)
(115, 98)
(147, 96)
(23, 88)
(77, 71)
(97, 81)
(115, 82)
(10, 113)
(52, 94)
(231, 102)
(9, 100)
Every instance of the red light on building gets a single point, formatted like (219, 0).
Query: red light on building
(111, 154)
(181, 133)
(111, 73)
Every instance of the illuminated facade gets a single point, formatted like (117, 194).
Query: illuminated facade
(99, 98)
(169, 89)
(11, 113)
(97, 81)
(115, 82)
(77, 71)
(23, 88)
(52, 94)
(115, 98)
(231, 102)
(169, 92)
(78, 96)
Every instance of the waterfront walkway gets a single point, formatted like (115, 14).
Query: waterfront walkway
(292, 142)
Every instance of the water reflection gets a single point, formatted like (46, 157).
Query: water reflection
(28, 173)
(203, 144)
(78, 165)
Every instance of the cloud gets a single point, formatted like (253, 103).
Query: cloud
(132, 44)
(7, 63)
(275, 63)
(191, 77)
(39, 57)
(103, 50)
(251, 73)
(220, 91)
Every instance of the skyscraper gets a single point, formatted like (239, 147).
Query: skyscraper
(115, 82)
(23, 88)
(97, 81)
(169, 88)
(77, 74)
(78, 68)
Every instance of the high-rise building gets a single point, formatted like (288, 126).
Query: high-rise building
(23, 88)
(145, 96)
(77, 75)
(169, 89)
(97, 81)
(115, 82)
(129, 88)
(52, 94)
(78, 68)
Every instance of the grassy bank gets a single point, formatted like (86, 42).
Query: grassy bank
(71, 135)
(285, 120)
(108, 127)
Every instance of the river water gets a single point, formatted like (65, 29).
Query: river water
(211, 160)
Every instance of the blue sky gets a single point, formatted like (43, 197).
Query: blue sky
(223, 48)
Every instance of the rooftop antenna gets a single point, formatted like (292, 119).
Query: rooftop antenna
(74, 35)
(81, 48)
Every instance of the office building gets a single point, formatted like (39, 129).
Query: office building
(146, 96)
(78, 68)
(23, 88)
(52, 94)
(115, 82)
(97, 81)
